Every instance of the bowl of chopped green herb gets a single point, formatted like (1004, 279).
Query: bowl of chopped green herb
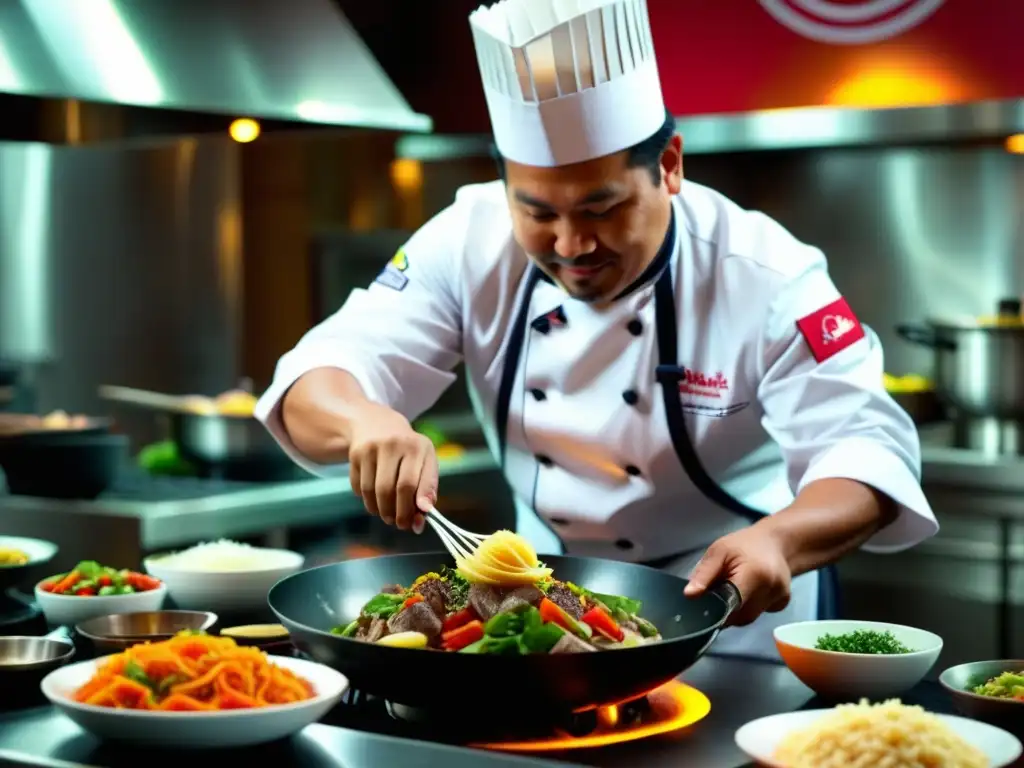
(849, 659)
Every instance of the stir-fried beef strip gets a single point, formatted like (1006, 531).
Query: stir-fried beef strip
(393, 589)
(562, 596)
(518, 598)
(436, 593)
(418, 617)
(485, 600)
(571, 644)
(628, 625)
(371, 629)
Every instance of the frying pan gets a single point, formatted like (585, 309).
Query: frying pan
(310, 602)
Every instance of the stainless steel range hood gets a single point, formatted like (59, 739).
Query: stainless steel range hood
(296, 60)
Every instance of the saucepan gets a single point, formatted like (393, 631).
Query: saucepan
(978, 361)
(311, 602)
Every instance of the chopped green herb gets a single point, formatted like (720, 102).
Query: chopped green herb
(459, 589)
(862, 641)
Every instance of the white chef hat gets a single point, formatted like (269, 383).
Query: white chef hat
(568, 80)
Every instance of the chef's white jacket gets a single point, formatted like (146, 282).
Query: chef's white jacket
(776, 381)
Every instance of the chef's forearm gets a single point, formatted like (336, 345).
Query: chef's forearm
(828, 519)
(317, 411)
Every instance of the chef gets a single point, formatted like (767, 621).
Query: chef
(665, 377)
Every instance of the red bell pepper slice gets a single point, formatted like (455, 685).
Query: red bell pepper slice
(65, 584)
(465, 635)
(601, 622)
(458, 619)
(417, 598)
(550, 613)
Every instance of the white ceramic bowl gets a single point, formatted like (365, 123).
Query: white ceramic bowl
(760, 738)
(225, 591)
(39, 553)
(853, 675)
(196, 730)
(71, 609)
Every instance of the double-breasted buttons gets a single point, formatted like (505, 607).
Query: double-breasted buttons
(545, 460)
(538, 394)
(635, 327)
(632, 470)
(631, 397)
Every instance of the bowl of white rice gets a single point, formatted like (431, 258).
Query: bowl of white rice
(223, 576)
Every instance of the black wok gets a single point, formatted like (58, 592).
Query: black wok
(310, 602)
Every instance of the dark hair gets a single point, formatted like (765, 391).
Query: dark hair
(645, 154)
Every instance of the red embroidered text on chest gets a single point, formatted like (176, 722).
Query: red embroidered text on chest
(830, 329)
(697, 383)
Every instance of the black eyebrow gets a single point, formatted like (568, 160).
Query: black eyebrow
(597, 196)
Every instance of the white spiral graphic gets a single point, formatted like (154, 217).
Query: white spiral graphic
(844, 23)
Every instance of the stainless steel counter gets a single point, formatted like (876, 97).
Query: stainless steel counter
(968, 471)
(740, 690)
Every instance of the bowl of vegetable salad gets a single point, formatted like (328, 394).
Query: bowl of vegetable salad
(850, 659)
(90, 589)
(992, 691)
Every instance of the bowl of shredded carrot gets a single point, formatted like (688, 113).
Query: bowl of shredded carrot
(194, 691)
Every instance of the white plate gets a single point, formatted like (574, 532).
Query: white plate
(196, 730)
(760, 738)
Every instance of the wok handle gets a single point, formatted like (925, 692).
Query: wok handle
(924, 337)
(729, 594)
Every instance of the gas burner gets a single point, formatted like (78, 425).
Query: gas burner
(667, 709)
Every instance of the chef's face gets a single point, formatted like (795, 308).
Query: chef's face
(594, 226)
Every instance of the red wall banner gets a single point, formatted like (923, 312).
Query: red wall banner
(737, 55)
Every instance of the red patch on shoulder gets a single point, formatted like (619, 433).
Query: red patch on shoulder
(830, 329)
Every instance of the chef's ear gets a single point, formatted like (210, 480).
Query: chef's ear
(672, 164)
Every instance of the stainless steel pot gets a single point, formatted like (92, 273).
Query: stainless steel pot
(209, 439)
(215, 440)
(979, 365)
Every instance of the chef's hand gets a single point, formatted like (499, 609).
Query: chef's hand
(753, 561)
(392, 467)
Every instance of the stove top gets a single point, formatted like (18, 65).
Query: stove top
(667, 710)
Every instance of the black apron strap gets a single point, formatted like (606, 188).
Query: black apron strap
(669, 374)
(511, 364)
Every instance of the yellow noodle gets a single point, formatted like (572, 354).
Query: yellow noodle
(503, 559)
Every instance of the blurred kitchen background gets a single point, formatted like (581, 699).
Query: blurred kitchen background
(185, 188)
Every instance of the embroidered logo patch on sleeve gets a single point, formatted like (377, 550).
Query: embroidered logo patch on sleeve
(393, 275)
(830, 329)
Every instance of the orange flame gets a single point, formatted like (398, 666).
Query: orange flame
(673, 706)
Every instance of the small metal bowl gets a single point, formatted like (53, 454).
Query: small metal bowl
(25, 661)
(265, 636)
(122, 630)
(959, 680)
